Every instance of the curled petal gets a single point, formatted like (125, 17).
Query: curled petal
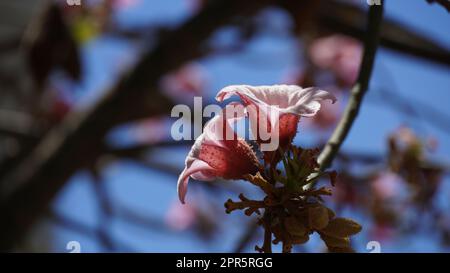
(218, 152)
(287, 98)
(197, 167)
(306, 102)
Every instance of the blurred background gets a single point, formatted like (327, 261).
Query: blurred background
(86, 92)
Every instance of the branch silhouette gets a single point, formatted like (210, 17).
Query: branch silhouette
(443, 3)
(359, 89)
(77, 142)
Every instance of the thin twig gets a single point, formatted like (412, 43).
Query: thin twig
(358, 91)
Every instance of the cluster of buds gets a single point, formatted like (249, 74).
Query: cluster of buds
(292, 208)
(293, 211)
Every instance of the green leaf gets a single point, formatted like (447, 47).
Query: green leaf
(318, 217)
(299, 239)
(294, 226)
(333, 242)
(341, 228)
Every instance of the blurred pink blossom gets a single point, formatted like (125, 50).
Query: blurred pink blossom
(326, 118)
(123, 4)
(406, 136)
(295, 76)
(195, 6)
(386, 185)
(189, 80)
(151, 130)
(382, 232)
(181, 217)
(338, 53)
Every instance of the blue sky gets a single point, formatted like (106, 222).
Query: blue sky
(152, 192)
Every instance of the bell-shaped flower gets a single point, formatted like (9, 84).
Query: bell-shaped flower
(277, 106)
(218, 153)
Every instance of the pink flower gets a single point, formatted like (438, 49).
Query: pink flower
(386, 185)
(281, 105)
(150, 130)
(338, 53)
(181, 217)
(406, 136)
(123, 4)
(382, 232)
(215, 155)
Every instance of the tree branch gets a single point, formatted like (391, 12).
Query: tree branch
(77, 142)
(444, 3)
(76, 226)
(339, 16)
(359, 89)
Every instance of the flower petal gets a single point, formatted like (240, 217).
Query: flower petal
(196, 166)
(306, 102)
(220, 127)
(287, 98)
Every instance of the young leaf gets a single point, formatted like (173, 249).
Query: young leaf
(294, 226)
(300, 239)
(333, 242)
(318, 217)
(341, 227)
